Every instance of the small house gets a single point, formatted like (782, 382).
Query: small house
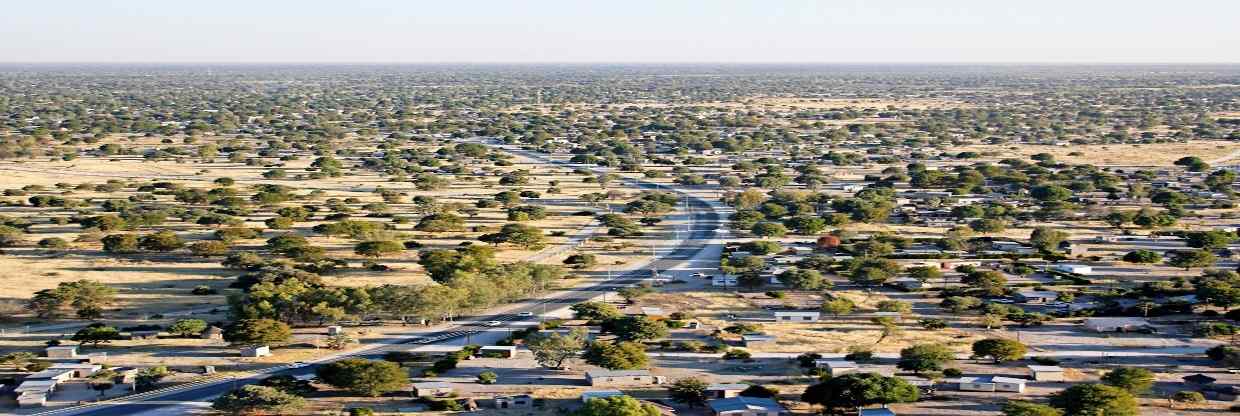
(80, 370)
(498, 351)
(599, 394)
(836, 367)
(618, 378)
(745, 406)
(31, 399)
(797, 316)
(1116, 324)
(1037, 296)
(754, 340)
(431, 389)
(68, 352)
(993, 383)
(520, 401)
(881, 411)
(255, 352)
(53, 374)
(723, 391)
(335, 330)
(1046, 372)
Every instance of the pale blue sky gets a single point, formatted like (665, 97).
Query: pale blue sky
(620, 31)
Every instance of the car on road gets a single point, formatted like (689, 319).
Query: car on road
(700, 275)
(298, 364)
(493, 323)
(526, 314)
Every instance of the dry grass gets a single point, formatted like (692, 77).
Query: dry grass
(1157, 154)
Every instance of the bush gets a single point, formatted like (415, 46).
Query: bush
(736, 354)
(952, 372)
(487, 377)
(54, 243)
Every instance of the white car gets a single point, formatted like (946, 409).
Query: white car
(493, 323)
(298, 364)
(526, 314)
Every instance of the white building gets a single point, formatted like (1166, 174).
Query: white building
(1046, 372)
(993, 383)
(1073, 268)
(797, 316)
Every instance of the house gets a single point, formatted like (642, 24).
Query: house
(335, 330)
(993, 383)
(431, 389)
(797, 316)
(836, 367)
(745, 406)
(1037, 296)
(498, 351)
(723, 391)
(80, 370)
(1073, 249)
(32, 393)
(881, 411)
(617, 378)
(599, 394)
(1116, 324)
(753, 340)
(30, 399)
(1046, 372)
(255, 352)
(55, 375)
(520, 401)
(61, 352)
(1073, 268)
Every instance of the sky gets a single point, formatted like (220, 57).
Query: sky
(621, 31)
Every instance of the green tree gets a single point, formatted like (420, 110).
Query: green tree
(366, 377)
(616, 406)
(96, 334)
(856, 390)
(1133, 380)
(161, 241)
(257, 332)
(1046, 239)
(999, 349)
(378, 248)
(839, 306)
(924, 357)
(1142, 257)
(1025, 408)
(990, 282)
(690, 391)
(616, 356)
(553, 350)
(209, 248)
(120, 243)
(288, 384)
(595, 311)
(769, 229)
(258, 400)
(148, 378)
(803, 279)
(635, 328)
(1192, 258)
(187, 327)
(1095, 399)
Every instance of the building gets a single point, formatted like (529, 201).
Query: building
(1046, 373)
(1037, 296)
(836, 367)
(723, 281)
(431, 389)
(881, 411)
(69, 352)
(797, 316)
(255, 352)
(1073, 268)
(520, 401)
(723, 391)
(618, 378)
(54, 375)
(498, 351)
(993, 383)
(1116, 324)
(1200, 380)
(335, 330)
(80, 370)
(745, 406)
(907, 283)
(599, 394)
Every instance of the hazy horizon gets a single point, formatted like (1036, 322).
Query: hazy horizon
(634, 32)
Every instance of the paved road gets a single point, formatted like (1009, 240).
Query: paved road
(704, 221)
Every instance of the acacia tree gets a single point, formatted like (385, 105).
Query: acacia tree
(553, 350)
(690, 391)
(366, 377)
(855, 390)
(258, 399)
(999, 349)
